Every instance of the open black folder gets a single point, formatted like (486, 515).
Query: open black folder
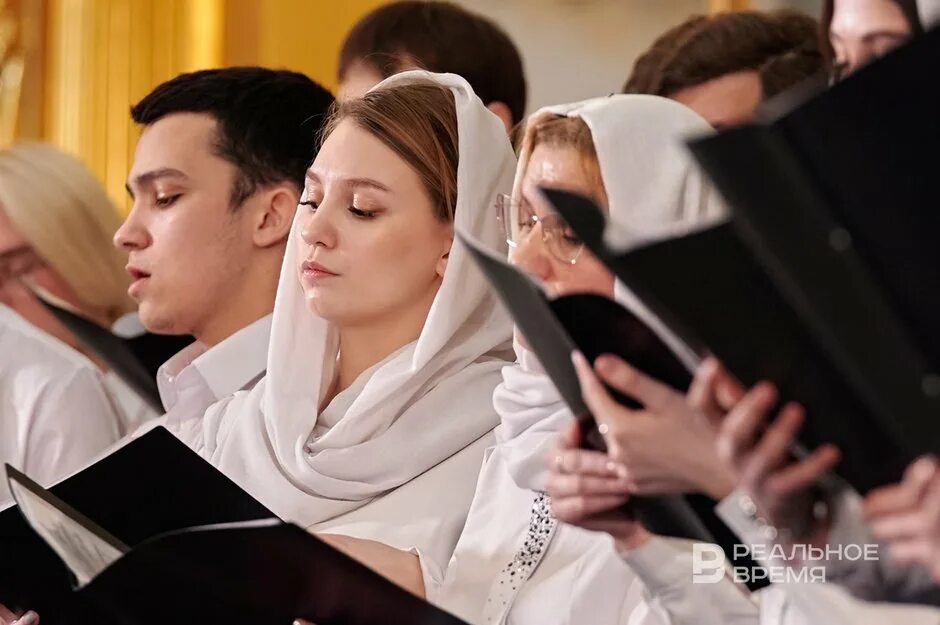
(595, 325)
(152, 485)
(755, 316)
(262, 572)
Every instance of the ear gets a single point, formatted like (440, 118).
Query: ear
(441, 266)
(503, 113)
(275, 215)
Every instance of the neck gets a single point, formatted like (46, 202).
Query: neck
(364, 346)
(253, 300)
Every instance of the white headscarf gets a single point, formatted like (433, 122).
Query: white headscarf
(418, 407)
(654, 191)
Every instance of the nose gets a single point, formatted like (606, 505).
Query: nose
(531, 256)
(319, 227)
(132, 235)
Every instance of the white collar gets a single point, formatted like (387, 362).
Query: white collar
(224, 369)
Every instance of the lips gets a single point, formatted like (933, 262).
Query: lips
(139, 278)
(314, 270)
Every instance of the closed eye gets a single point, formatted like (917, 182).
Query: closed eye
(361, 214)
(310, 204)
(167, 200)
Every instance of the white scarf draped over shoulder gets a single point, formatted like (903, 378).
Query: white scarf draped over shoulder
(420, 406)
(655, 191)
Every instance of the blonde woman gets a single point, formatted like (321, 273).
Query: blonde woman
(56, 224)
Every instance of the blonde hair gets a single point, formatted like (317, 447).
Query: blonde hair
(560, 132)
(65, 215)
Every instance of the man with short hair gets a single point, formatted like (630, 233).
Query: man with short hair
(217, 176)
(724, 66)
(438, 37)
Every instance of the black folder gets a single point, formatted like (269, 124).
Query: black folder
(263, 572)
(135, 359)
(837, 202)
(778, 295)
(595, 325)
(152, 485)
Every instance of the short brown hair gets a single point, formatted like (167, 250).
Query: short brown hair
(418, 121)
(439, 37)
(782, 46)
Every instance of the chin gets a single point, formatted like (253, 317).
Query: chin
(156, 321)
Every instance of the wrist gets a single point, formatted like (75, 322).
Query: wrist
(634, 539)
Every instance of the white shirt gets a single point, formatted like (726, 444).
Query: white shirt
(580, 577)
(134, 411)
(55, 413)
(199, 376)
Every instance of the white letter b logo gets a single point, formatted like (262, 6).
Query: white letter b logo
(708, 563)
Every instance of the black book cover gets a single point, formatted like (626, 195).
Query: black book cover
(135, 359)
(263, 572)
(152, 485)
(709, 284)
(595, 325)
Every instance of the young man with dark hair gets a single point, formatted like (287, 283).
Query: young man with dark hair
(438, 37)
(724, 66)
(217, 176)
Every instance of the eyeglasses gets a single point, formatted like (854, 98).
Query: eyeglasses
(19, 263)
(519, 220)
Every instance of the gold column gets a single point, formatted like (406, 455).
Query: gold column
(104, 55)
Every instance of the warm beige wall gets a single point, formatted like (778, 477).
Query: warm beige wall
(576, 49)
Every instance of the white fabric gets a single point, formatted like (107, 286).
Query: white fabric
(581, 579)
(929, 12)
(422, 405)
(133, 410)
(654, 191)
(55, 413)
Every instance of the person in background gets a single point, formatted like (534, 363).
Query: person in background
(56, 224)
(516, 562)
(217, 175)
(724, 66)
(439, 37)
(56, 413)
(854, 33)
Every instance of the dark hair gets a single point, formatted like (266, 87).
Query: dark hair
(439, 37)
(418, 121)
(782, 46)
(268, 121)
(908, 8)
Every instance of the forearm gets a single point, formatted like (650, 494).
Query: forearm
(401, 567)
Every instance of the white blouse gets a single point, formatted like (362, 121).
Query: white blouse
(578, 578)
(55, 412)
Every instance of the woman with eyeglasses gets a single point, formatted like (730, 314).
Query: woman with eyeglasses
(514, 562)
(58, 408)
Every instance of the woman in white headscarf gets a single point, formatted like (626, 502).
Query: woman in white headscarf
(514, 563)
(386, 343)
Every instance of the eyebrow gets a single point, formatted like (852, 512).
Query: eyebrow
(148, 177)
(352, 182)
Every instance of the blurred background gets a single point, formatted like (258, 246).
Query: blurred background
(72, 68)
